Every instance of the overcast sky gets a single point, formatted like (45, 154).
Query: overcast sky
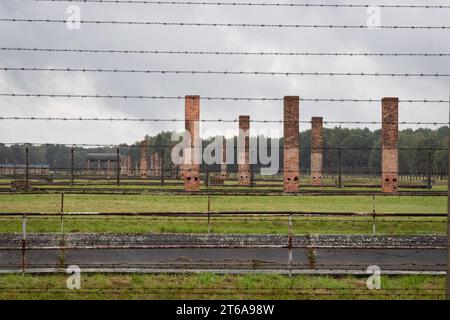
(122, 37)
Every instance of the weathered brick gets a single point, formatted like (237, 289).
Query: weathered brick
(291, 163)
(244, 157)
(223, 166)
(143, 165)
(155, 164)
(191, 170)
(389, 151)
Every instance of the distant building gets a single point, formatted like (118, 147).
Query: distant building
(20, 169)
(101, 163)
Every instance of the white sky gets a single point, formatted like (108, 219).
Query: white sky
(122, 37)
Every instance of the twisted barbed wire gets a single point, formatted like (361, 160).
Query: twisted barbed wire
(218, 72)
(253, 4)
(221, 24)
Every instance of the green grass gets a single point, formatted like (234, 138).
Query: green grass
(225, 224)
(212, 286)
(171, 203)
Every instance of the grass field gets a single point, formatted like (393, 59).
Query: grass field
(172, 203)
(247, 225)
(211, 286)
(226, 224)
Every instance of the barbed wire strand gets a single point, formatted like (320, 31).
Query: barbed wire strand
(203, 120)
(216, 72)
(123, 145)
(242, 25)
(252, 4)
(245, 53)
(209, 98)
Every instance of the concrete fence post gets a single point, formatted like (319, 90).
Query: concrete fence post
(290, 244)
(162, 168)
(340, 181)
(24, 244)
(71, 166)
(118, 166)
(429, 171)
(447, 287)
(374, 227)
(207, 177)
(209, 214)
(316, 151)
(27, 168)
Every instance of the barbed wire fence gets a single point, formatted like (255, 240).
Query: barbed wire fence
(30, 171)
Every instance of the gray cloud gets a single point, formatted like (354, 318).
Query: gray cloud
(191, 38)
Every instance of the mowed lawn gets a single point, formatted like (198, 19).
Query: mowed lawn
(224, 224)
(194, 203)
(212, 286)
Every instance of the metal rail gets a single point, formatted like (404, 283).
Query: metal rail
(226, 213)
(218, 192)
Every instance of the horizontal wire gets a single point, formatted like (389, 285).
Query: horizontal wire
(216, 72)
(267, 53)
(98, 96)
(204, 120)
(252, 4)
(246, 25)
(263, 291)
(369, 293)
(295, 265)
(170, 245)
(37, 144)
(260, 183)
(385, 216)
(287, 288)
(202, 219)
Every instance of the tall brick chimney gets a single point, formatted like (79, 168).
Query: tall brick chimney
(125, 165)
(291, 144)
(223, 166)
(243, 156)
(143, 165)
(389, 151)
(191, 170)
(316, 151)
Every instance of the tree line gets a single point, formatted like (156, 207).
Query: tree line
(360, 151)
